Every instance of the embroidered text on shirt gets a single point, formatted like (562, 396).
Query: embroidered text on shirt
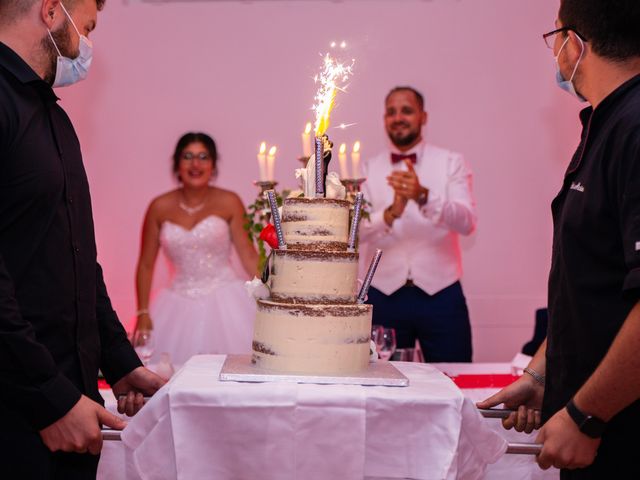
(577, 186)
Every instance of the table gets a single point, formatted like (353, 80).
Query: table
(197, 427)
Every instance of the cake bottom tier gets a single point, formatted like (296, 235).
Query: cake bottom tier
(311, 339)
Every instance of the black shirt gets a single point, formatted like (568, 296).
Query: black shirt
(595, 271)
(57, 326)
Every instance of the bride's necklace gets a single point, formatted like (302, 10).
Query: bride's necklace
(191, 210)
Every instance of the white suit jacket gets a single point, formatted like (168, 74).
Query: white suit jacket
(422, 245)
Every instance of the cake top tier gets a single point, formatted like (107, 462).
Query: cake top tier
(319, 224)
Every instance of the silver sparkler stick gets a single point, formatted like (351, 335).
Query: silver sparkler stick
(357, 209)
(367, 280)
(319, 167)
(275, 216)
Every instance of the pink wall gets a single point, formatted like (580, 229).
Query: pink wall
(243, 72)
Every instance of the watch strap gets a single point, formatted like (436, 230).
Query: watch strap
(587, 424)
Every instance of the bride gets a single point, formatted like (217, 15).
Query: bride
(206, 308)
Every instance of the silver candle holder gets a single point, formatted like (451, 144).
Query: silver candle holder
(265, 185)
(353, 186)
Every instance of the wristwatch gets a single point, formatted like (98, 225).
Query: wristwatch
(423, 197)
(588, 424)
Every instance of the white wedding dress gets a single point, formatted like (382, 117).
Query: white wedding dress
(206, 309)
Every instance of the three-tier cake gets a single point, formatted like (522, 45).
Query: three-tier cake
(312, 322)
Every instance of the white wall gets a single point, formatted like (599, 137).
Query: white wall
(243, 72)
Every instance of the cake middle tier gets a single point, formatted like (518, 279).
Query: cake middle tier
(301, 276)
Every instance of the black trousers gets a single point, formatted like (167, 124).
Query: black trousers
(440, 322)
(23, 455)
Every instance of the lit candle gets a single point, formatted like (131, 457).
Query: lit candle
(355, 160)
(262, 162)
(306, 141)
(271, 160)
(342, 158)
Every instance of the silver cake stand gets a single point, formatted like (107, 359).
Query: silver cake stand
(238, 368)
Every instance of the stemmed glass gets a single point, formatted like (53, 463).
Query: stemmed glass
(376, 332)
(386, 343)
(143, 344)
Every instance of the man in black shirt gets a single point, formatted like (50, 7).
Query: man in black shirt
(57, 326)
(586, 376)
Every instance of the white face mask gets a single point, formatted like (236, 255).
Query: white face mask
(567, 85)
(72, 70)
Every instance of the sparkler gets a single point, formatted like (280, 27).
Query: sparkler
(332, 79)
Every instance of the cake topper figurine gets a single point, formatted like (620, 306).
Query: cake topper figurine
(367, 280)
(275, 216)
(357, 209)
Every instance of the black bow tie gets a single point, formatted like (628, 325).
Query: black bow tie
(399, 157)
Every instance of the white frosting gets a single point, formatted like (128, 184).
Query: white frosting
(317, 222)
(292, 341)
(306, 275)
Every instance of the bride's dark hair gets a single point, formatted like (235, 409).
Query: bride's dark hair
(188, 139)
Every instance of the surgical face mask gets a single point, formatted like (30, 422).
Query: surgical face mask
(72, 70)
(567, 85)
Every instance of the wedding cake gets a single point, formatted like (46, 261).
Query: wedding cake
(312, 323)
(313, 320)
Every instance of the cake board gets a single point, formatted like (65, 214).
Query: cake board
(238, 368)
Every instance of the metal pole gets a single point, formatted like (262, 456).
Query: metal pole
(519, 448)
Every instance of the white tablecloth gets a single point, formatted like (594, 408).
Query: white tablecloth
(197, 427)
(509, 467)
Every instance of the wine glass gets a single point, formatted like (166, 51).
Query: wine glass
(386, 343)
(144, 345)
(376, 332)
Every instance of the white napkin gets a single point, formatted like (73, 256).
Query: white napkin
(256, 289)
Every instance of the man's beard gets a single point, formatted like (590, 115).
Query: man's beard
(402, 141)
(62, 37)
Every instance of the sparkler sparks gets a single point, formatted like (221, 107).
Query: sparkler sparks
(332, 79)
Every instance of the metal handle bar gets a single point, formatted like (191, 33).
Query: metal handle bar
(110, 434)
(520, 448)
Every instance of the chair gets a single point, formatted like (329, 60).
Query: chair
(539, 332)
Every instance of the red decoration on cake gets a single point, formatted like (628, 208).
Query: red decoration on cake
(269, 235)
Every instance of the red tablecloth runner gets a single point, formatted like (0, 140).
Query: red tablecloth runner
(490, 380)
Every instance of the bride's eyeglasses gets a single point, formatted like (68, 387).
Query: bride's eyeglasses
(189, 157)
